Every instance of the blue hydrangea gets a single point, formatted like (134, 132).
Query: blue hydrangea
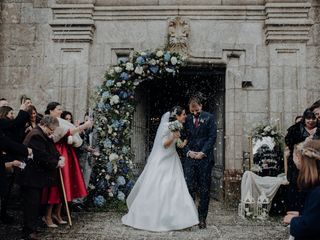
(125, 170)
(121, 161)
(140, 60)
(167, 57)
(123, 95)
(125, 149)
(129, 186)
(121, 181)
(124, 76)
(105, 94)
(102, 185)
(100, 105)
(109, 83)
(109, 167)
(99, 201)
(114, 189)
(154, 69)
(121, 196)
(107, 143)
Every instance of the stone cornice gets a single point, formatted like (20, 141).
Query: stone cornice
(192, 12)
(287, 22)
(73, 23)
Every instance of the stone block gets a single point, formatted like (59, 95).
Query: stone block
(262, 56)
(258, 76)
(257, 101)
(22, 34)
(276, 77)
(29, 14)
(11, 12)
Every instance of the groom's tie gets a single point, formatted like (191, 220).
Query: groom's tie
(196, 121)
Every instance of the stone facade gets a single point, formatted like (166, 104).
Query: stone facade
(59, 50)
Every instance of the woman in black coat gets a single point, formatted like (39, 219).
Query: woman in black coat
(306, 224)
(306, 128)
(39, 172)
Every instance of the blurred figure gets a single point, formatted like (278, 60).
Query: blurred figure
(25, 100)
(67, 116)
(33, 120)
(8, 147)
(3, 102)
(297, 133)
(305, 224)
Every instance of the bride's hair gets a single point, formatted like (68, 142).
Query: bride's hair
(174, 112)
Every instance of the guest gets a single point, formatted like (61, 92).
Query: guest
(3, 102)
(67, 116)
(40, 172)
(66, 137)
(307, 159)
(8, 146)
(25, 100)
(297, 133)
(33, 120)
(13, 128)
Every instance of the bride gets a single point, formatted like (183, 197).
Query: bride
(160, 201)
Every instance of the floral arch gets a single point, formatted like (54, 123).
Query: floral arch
(112, 177)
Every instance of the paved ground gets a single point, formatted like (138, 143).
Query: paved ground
(222, 224)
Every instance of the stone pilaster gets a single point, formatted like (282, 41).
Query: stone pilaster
(287, 27)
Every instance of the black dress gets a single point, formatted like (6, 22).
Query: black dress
(295, 197)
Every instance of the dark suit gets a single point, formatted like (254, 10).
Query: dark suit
(198, 172)
(40, 172)
(307, 225)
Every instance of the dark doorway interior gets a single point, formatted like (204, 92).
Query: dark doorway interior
(162, 94)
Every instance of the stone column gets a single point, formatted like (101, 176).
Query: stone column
(73, 29)
(287, 27)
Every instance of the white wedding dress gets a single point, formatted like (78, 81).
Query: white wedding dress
(160, 200)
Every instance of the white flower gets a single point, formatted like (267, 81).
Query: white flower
(107, 177)
(113, 157)
(111, 72)
(116, 111)
(110, 194)
(119, 84)
(174, 60)
(267, 129)
(169, 70)
(159, 53)
(153, 62)
(143, 54)
(109, 129)
(129, 66)
(118, 69)
(114, 99)
(138, 70)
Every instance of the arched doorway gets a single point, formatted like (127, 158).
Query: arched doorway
(160, 95)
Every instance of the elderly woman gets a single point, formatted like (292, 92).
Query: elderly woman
(40, 172)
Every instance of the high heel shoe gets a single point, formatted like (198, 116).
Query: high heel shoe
(52, 225)
(60, 222)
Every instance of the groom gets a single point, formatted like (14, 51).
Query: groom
(201, 133)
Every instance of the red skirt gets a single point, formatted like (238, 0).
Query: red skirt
(72, 178)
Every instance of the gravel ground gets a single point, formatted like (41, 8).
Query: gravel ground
(222, 224)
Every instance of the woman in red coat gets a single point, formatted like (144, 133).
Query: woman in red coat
(66, 137)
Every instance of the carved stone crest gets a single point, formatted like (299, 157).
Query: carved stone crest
(178, 35)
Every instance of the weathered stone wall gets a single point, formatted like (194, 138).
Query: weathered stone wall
(59, 51)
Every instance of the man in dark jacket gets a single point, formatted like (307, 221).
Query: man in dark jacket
(39, 172)
(201, 133)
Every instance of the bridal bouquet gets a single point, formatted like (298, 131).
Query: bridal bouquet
(175, 126)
